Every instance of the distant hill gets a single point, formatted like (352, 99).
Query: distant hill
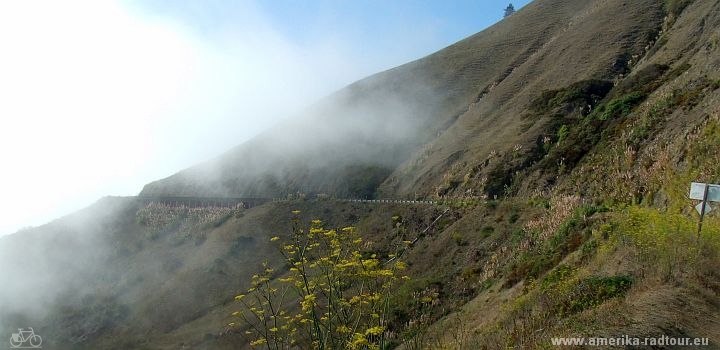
(397, 132)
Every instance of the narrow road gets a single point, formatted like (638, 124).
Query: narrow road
(249, 202)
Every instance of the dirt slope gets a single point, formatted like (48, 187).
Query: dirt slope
(463, 94)
(585, 118)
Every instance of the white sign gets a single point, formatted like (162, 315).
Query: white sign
(699, 208)
(697, 190)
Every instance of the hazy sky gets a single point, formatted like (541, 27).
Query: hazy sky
(100, 97)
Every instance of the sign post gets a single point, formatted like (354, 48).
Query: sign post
(702, 211)
(704, 192)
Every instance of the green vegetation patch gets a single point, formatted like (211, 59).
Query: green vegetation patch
(621, 106)
(571, 295)
(569, 236)
(569, 137)
(557, 275)
(592, 291)
(578, 118)
(585, 92)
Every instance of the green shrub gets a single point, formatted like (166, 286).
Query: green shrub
(569, 237)
(562, 133)
(458, 238)
(667, 243)
(621, 106)
(588, 249)
(581, 93)
(486, 231)
(593, 291)
(558, 274)
(403, 302)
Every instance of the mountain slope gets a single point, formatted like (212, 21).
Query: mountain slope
(573, 52)
(355, 139)
(563, 138)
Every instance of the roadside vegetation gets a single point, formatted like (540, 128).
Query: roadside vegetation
(331, 294)
(161, 218)
(612, 229)
(590, 262)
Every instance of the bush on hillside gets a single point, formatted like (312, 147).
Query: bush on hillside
(334, 296)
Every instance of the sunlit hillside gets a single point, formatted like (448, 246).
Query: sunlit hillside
(532, 177)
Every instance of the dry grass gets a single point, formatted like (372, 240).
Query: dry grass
(178, 291)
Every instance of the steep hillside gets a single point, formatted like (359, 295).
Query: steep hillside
(351, 142)
(562, 141)
(606, 243)
(127, 274)
(597, 41)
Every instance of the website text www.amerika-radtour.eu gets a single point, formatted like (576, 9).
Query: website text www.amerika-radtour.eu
(629, 341)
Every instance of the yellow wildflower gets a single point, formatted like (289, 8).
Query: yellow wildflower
(377, 330)
(260, 341)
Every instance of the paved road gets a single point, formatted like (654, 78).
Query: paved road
(248, 202)
(397, 201)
